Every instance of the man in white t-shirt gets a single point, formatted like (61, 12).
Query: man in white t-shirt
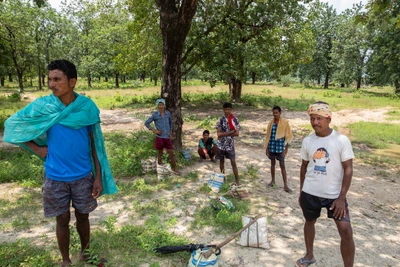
(325, 178)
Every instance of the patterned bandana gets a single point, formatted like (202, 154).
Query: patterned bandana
(320, 109)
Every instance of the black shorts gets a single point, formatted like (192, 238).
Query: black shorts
(229, 154)
(57, 196)
(278, 156)
(312, 205)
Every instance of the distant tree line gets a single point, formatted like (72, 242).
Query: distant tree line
(233, 41)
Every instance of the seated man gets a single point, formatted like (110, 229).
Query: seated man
(207, 146)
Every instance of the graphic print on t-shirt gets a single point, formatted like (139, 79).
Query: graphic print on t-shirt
(321, 158)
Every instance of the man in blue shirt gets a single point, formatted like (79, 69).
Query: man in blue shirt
(163, 129)
(73, 150)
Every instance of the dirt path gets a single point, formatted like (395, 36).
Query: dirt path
(374, 201)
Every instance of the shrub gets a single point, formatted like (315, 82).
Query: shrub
(14, 97)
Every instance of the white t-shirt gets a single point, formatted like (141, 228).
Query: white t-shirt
(325, 156)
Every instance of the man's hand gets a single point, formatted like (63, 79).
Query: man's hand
(339, 208)
(284, 153)
(158, 132)
(97, 187)
(207, 156)
(267, 152)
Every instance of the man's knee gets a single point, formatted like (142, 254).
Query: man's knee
(63, 219)
(310, 223)
(233, 163)
(345, 231)
(81, 217)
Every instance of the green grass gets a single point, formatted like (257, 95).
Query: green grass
(375, 135)
(224, 221)
(8, 106)
(24, 253)
(393, 115)
(18, 165)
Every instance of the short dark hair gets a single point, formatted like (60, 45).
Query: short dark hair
(278, 108)
(227, 105)
(206, 132)
(65, 66)
(321, 102)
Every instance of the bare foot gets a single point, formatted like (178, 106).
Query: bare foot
(271, 184)
(288, 190)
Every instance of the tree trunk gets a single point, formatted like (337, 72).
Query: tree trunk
(235, 89)
(2, 80)
(89, 79)
(397, 85)
(319, 81)
(106, 79)
(117, 80)
(40, 78)
(155, 81)
(253, 77)
(20, 81)
(326, 83)
(358, 83)
(43, 80)
(175, 25)
(10, 79)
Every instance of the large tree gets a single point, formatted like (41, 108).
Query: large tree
(351, 47)
(229, 35)
(323, 22)
(175, 19)
(16, 33)
(383, 20)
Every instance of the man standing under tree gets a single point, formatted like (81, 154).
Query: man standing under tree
(227, 127)
(163, 123)
(64, 130)
(276, 143)
(325, 177)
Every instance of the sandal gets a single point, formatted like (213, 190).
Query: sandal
(303, 261)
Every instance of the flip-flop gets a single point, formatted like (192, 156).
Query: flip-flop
(271, 185)
(303, 261)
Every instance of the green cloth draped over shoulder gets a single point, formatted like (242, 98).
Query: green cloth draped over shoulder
(32, 122)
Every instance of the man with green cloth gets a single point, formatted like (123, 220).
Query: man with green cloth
(63, 129)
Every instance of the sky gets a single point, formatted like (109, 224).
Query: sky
(340, 5)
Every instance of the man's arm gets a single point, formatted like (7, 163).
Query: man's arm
(230, 133)
(339, 205)
(98, 183)
(41, 151)
(147, 124)
(284, 153)
(303, 171)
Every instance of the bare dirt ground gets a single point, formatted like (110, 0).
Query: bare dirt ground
(374, 199)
